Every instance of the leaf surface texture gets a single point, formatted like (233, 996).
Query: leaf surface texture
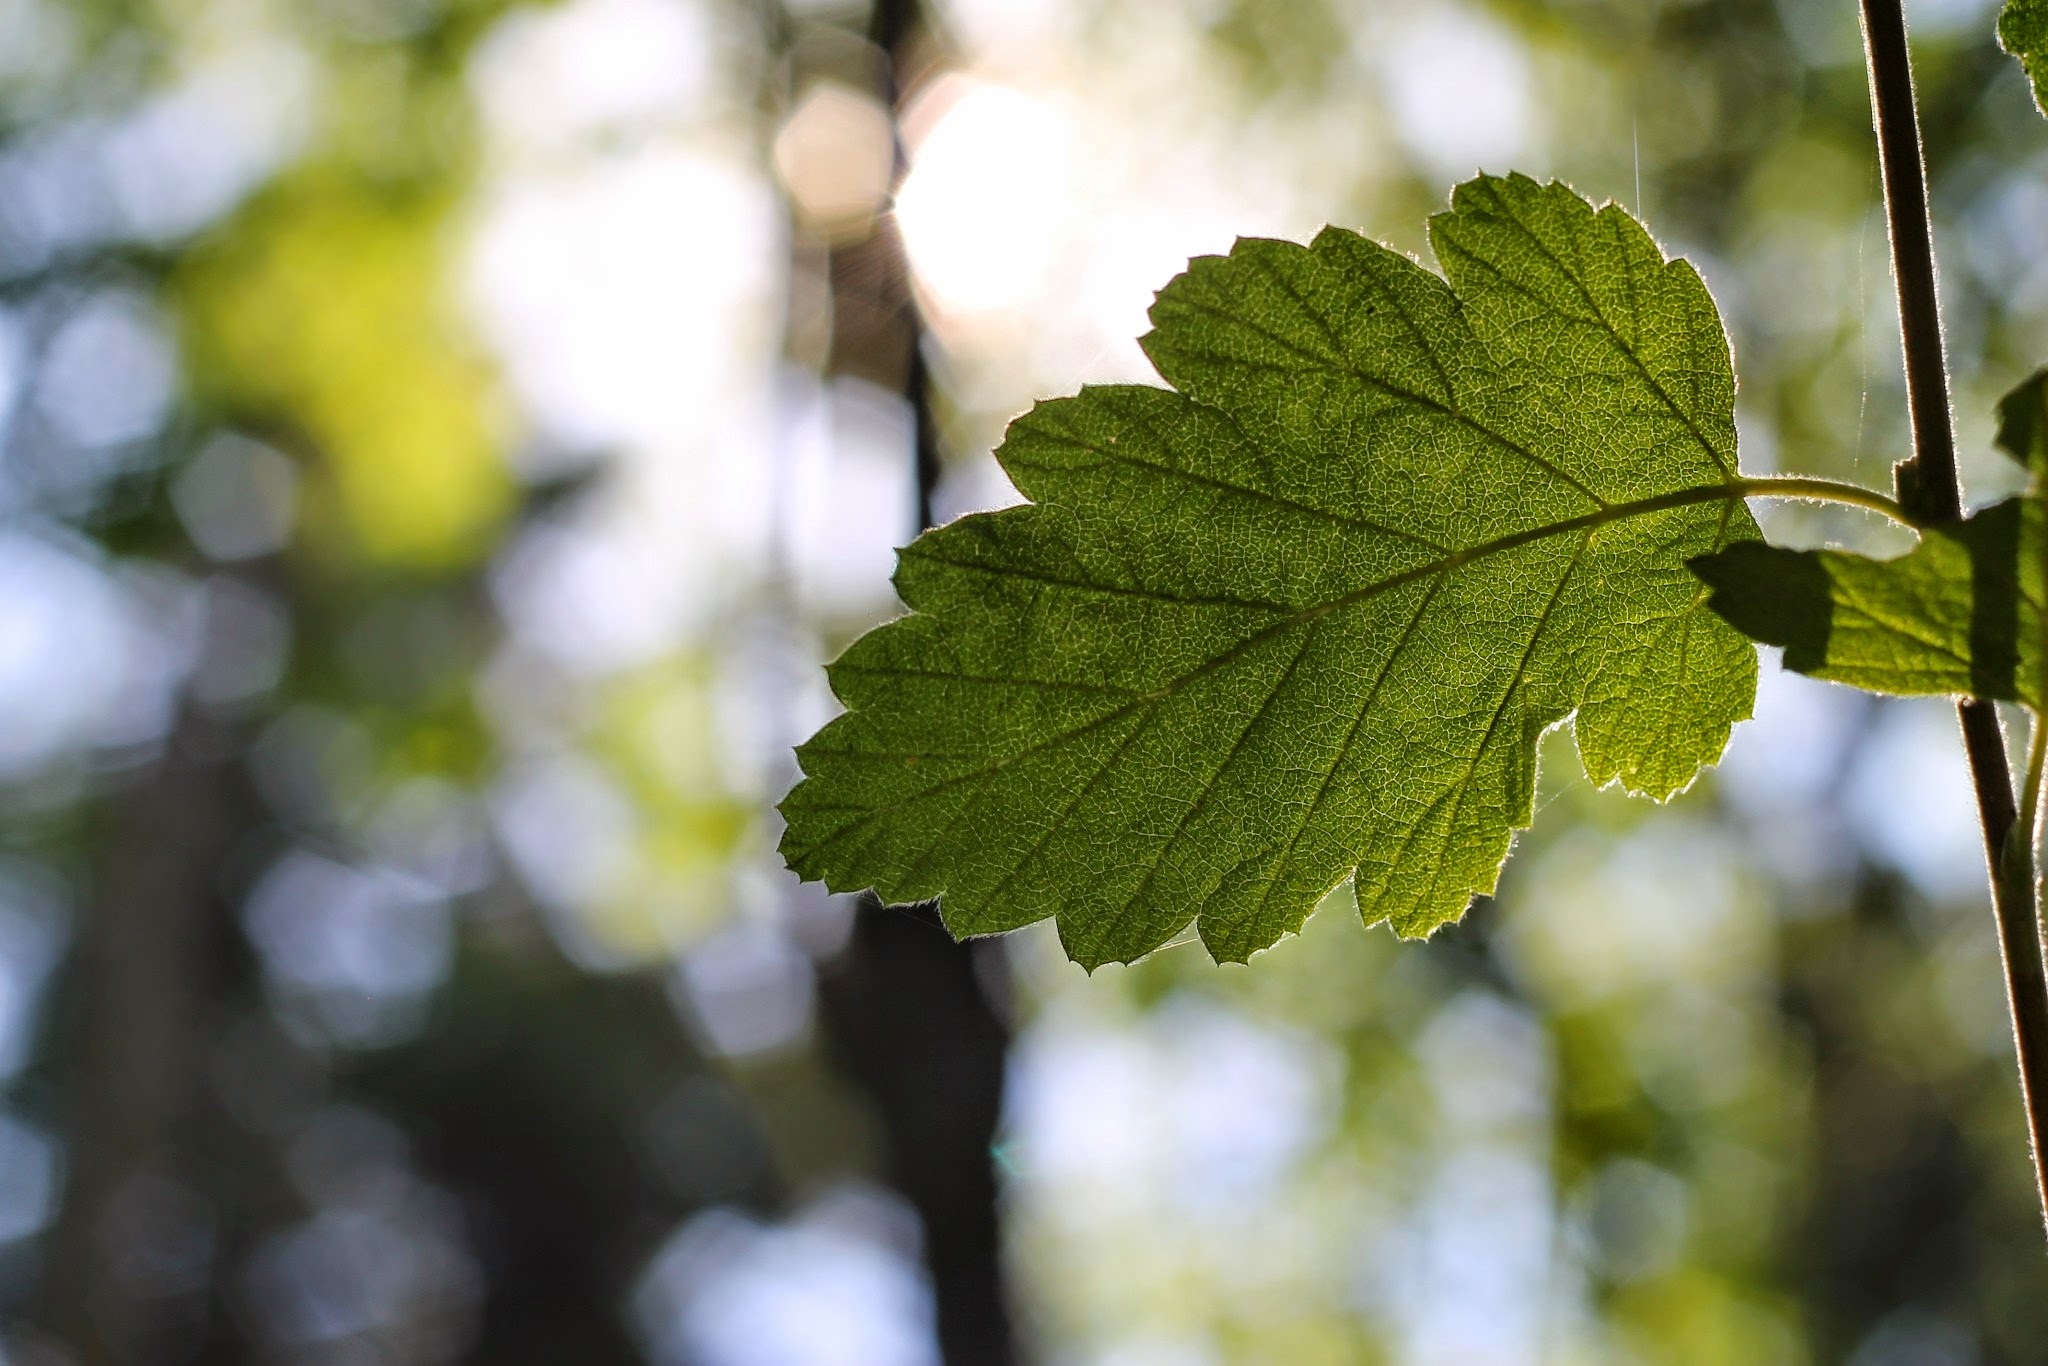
(1305, 614)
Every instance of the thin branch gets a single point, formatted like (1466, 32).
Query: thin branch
(1928, 486)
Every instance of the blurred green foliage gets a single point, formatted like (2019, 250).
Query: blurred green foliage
(330, 289)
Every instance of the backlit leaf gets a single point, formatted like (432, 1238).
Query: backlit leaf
(1308, 611)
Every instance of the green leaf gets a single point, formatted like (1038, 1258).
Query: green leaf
(1955, 615)
(2023, 31)
(1310, 613)
(1958, 614)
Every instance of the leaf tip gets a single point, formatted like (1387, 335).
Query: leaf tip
(2023, 422)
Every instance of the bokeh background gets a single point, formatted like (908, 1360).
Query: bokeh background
(441, 439)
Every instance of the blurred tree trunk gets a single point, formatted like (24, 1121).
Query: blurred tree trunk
(912, 1024)
(908, 1011)
(132, 1036)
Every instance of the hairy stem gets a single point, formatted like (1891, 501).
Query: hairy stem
(1929, 487)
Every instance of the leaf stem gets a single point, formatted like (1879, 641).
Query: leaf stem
(1823, 491)
(1928, 484)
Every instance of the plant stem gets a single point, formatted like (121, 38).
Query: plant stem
(1929, 486)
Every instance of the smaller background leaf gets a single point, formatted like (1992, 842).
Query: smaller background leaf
(1959, 614)
(2023, 31)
